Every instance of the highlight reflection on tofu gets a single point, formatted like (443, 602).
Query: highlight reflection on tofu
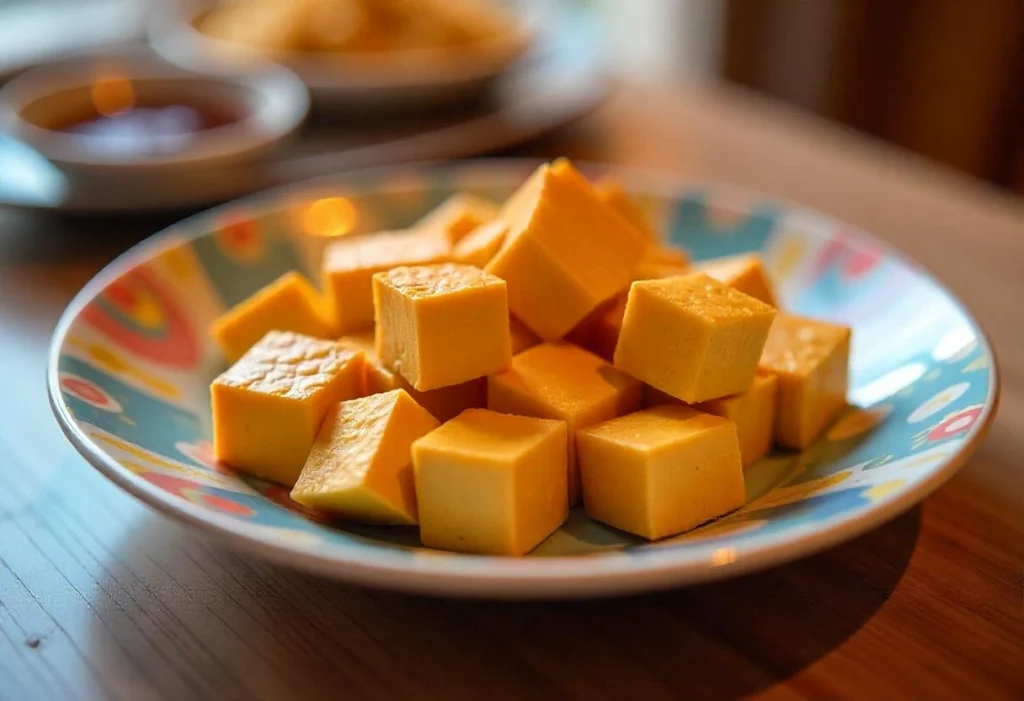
(481, 372)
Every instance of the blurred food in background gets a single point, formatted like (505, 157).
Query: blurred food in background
(462, 28)
(355, 25)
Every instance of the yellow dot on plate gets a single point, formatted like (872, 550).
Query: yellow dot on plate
(178, 261)
(107, 358)
(790, 251)
(884, 489)
(158, 385)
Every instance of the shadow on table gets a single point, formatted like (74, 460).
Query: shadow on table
(236, 626)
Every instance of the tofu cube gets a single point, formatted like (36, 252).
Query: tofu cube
(441, 325)
(268, 407)
(599, 330)
(565, 252)
(290, 303)
(661, 471)
(491, 483)
(360, 466)
(753, 412)
(812, 361)
(480, 245)
(562, 381)
(692, 337)
(745, 272)
(662, 261)
(459, 215)
(610, 191)
(522, 337)
(349, 266)
(443, 403)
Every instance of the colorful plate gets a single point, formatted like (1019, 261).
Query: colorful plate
(130, 364)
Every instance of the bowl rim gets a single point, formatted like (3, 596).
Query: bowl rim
(281, 105)
(492, 576)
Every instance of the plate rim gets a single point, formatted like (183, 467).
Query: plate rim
(491, 576)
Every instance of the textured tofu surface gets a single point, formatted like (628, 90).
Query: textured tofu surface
(287, 365)
(360, 465)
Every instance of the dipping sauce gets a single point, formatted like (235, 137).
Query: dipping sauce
(146, 130)
(123, 121)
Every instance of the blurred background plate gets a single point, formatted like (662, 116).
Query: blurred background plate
(557, 81)
(368, 81)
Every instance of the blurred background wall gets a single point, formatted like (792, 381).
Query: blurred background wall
(942, 78)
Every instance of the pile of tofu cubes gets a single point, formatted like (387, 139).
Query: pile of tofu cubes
(482, 372)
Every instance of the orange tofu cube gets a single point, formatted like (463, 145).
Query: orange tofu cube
(599, 330)
(491, 483)
(443, 403)
(662, 261)
(745, 272)
(360, 466)
(565, 251)
(459, 215)
(812, 361)
(522, 337)
(692, 337)
(562, 381)
(603, 334)
(290, 303)
(610, 191)
(480, 245)
(753, 412)
(661, 471)
(268, 407)
(349, 265)
(441, 325)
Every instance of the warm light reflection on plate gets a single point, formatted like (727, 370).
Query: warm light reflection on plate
(329, 217)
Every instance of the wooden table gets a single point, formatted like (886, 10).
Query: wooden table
(101, 597)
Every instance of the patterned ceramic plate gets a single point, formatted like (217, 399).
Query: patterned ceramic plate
(130, 365)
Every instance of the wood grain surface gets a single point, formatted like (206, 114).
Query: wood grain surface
(102, 598)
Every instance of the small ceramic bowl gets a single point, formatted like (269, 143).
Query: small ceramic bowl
(131, 362)
(269, 102)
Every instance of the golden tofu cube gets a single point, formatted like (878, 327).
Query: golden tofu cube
(753, 412)
(562, 381)
(522, 337)
(349, 266)
(290, 303)
(692, 337)
(459, 215)
(599, 330)
(480, 245)
(662, 261)
(268, 407)
(360, 466)
(812, 361)
(565, 251)
(444, 402)
(745, 272)
(661, 471)
(441, 325)
(491, 483)
(610, 191)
